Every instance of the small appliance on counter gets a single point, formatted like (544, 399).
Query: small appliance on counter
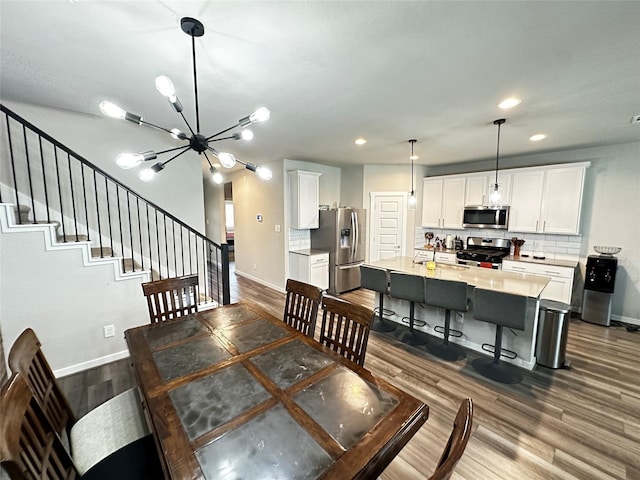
(458, 243)
(599, 283)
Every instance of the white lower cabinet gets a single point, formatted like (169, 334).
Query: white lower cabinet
(559, 288)
(445, 257)
(311, 268)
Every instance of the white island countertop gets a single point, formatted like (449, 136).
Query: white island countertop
(524, 284)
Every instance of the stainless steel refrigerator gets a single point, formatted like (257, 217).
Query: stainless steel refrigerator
(342, 233)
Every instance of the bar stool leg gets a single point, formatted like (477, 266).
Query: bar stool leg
(379, 325)
(494, 368)
(445, 350)
(412, 337)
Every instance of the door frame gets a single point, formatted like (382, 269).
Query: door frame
(372, 199)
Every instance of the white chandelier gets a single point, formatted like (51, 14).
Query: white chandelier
(195, 141)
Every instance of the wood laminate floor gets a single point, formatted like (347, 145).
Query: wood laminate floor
(582, 423)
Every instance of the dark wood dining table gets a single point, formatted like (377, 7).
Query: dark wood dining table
(235, 393)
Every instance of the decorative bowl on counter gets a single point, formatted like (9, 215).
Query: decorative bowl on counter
(604, 250)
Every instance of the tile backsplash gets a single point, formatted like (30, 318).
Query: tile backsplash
(299, 239)
(560, 247)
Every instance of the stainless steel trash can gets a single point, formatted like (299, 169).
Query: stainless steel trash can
(553, 328)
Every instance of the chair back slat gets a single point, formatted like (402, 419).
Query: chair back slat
(29, 446)
(457, 442)
(171, 298)
(345, 328)
(301, 306)
(27, 359)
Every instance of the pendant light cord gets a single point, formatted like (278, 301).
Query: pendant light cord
(195, 82)
(498, 122)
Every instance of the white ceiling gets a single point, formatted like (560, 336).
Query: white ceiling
(332, 71)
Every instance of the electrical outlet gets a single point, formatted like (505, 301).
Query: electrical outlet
(255, 266)
(277, 228)
(109, 331)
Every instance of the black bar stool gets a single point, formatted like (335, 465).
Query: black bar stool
(449, 295)
(377, 279)
(503, 310)
(409, 287)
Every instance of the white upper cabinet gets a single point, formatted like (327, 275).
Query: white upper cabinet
(547, 200)
(443, 202)
(304, 196)
(475, 192)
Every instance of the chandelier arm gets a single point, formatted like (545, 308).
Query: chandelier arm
(206, 156)
(172, 149)
(186, 149)
(187, 123)
(230, 137)
(148, 124)
(195, 82)
(222, 131)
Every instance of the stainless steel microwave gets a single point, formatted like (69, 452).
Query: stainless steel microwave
(480, 216)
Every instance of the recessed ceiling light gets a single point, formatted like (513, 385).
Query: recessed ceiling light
(537, 137)
(359, 141)
(509, 103)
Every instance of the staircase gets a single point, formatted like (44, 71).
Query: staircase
(44, 185)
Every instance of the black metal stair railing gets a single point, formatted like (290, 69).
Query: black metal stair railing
(61, 187)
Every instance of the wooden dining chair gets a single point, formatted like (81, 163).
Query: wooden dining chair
(345, 328)
(301, 306)
(171, 297)
(457, 442)
(30, 447)
(116, 423)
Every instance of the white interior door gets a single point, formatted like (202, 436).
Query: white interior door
(388, 220)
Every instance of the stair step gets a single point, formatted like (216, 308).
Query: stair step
(71, 237)
(106, 252)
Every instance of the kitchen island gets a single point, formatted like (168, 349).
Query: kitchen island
(474, 332)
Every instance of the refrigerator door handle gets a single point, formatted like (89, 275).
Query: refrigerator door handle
(356, 239)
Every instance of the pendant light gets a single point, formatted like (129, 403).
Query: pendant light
(413, 201)
(495, 199)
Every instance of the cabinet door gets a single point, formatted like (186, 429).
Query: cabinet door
(562, 200)
(476, 190)
(526, 201)
(432, 202)
(452, 202)
(305, 191)
(558, 289)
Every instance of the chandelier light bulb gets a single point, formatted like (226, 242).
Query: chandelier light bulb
(112, 110)
(227, 160)
(146, 175)
(165, 86)
(264, 173)
(216, 176)
(260, 115)
(177, 134)
(129, 160)
(246, 135)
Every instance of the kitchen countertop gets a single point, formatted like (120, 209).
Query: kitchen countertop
(546, 261)
(309, 252)
(524, 284)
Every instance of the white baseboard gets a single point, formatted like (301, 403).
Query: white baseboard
(260, 281)
(96, 362)
(620, 318)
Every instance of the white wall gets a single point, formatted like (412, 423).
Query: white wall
(259, 249)
(351, 185)
(65, 303)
